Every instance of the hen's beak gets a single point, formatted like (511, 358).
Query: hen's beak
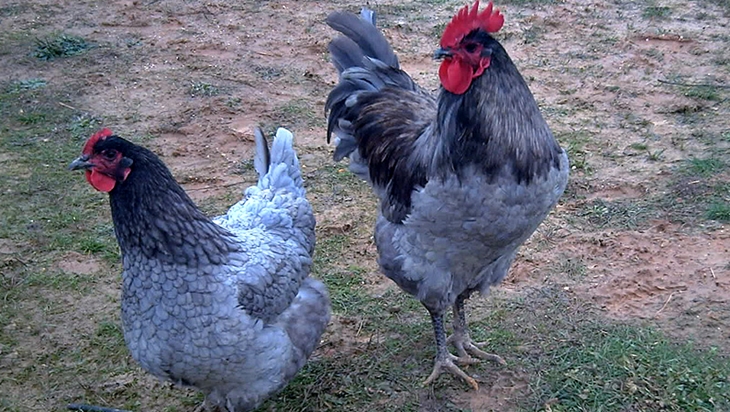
(442, 53)
(82, 162)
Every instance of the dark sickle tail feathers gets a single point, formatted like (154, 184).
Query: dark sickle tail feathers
(362, 39)
(366, 63)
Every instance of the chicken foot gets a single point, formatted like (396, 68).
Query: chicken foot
(461, 339)
(444, 360)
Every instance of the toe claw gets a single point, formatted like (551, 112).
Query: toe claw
(449, 366)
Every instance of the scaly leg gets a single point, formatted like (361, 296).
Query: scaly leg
(444, 360)
(461, 339)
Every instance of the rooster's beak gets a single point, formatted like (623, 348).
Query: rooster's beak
(442, 53)
(82, 162)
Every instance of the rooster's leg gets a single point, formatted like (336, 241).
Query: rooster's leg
(461, 339)
(445, 360)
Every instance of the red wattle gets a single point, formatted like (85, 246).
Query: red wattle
(101, 182)
(455, 76)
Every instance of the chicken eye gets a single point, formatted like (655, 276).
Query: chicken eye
(110, 154)
(471, 47)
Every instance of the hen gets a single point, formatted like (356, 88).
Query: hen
(223, 305)
(463, 178)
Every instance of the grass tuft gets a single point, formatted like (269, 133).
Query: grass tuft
(719, 211)
(25, 85)
(704, 167)
(61, 45)
(656, 12)
(202, 89)
(624, 214)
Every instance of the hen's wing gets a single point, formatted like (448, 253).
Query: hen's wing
(275, 225)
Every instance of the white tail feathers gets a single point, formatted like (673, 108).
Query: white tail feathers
(279, 167)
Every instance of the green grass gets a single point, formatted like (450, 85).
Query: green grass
(297, 113)
(47, 213)
(625, 214)
(719, 211)
(656, 12)
(619, 367)
(576, 144)
(703, 93)
(20, 86)
(704, 167)
(574, 360)
(59, 45)
(202, 89)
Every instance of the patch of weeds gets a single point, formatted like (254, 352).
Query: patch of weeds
(697, 190)
(639, 146)
(31, 118)
(108, 341)
(233, 102)
(343, 282)
(297, 113)
(703, 167)
(719, 211)
(702, 92)
(61, 45)
(198, 89)
(655, 156)
(268, 72)
(25, 85)
(438, 30)
(655, 53)
(704, 16)
(354, 382)
(245, 167)
(71, 282)
(575, 144)
(605, 213)
(532, 34)
(656, 12)
(83, 125)
(573, 267)
(622, 367)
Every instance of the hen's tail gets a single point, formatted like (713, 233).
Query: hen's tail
(278, 168)
(366, 64)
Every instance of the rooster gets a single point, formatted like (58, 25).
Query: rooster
(463, 178)
(224, 305)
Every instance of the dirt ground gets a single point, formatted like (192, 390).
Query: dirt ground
(198, 76)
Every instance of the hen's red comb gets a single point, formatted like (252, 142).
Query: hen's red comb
(465, 21)
(101, 134)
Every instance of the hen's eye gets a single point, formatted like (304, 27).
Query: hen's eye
(110, 154)
(471, 47)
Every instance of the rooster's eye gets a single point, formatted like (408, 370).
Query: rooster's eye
(110, 154)
(471, 47)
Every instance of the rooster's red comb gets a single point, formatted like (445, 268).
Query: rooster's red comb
(466, 20)
(101, 134)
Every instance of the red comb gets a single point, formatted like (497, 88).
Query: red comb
(465, 21)
(101, 134)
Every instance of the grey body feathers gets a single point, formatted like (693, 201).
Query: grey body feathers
(463, 180)
(235, 315)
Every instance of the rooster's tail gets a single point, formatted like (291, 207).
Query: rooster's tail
(366, 64)
(278, 168)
